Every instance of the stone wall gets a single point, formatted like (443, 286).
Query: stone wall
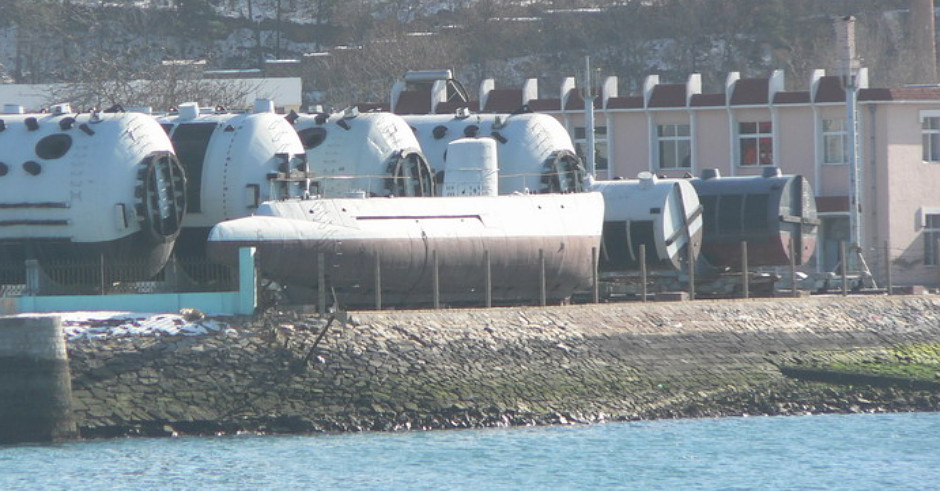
(459, 368)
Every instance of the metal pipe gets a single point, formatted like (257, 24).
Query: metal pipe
(588, 96)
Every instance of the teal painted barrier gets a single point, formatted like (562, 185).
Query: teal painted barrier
(240, 302)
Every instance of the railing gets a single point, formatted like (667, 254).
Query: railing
(107, 277)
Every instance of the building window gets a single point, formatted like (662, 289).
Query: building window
(932, 239)
(930, 131)
(835, 141)
(675, 146)
(600, 146)
(756, 143)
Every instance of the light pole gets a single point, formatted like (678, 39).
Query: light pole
(588, 96)
(845, 31)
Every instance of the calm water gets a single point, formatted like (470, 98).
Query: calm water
(897, 451)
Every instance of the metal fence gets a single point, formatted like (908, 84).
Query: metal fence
(107, 277)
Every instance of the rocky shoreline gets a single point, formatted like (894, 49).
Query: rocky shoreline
(289, 372)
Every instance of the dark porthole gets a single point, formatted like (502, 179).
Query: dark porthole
(312, 137)
(32, 167)
(4, 169)
(53, 146)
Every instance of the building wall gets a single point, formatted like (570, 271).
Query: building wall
(630, 153)
(911, 190)
(711, 141)
(794, 150)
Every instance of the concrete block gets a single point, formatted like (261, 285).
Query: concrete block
(909, 290)
(671, 296)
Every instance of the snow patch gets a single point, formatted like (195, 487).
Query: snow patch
(108, 324)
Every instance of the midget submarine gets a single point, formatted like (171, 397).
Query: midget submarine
(403, 249)
(374, 152)
(89, 187)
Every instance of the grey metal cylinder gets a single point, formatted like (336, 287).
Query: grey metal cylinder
(35, 381)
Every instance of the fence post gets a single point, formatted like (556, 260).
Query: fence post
(792, 245)
(33, 284)
(844, 269)
(321, 283)
(542, 300)
(596, 296)
(378, 281)
(745, 277)
(691, 272)
(488, 277)
(436, 282)
(643, 291)
(101, 274)
(888, 277)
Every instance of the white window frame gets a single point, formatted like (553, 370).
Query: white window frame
(758, 136)
(675, 139)
(930, 137)
(828, 135)
(931, 247)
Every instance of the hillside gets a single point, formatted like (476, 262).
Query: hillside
(370, 43)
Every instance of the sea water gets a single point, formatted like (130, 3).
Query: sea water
(867, 451)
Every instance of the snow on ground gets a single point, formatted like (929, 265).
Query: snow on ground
(107, 324)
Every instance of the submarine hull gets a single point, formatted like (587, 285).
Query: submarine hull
(403, 241)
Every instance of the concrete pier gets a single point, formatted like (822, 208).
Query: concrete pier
(35, 381)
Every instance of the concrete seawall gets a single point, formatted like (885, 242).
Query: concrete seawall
(35, 392)
(458, 368)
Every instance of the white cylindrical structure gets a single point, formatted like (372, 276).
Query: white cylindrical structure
(535, 152)
(471, 168)
(376, 153)
(663, 214)
(234, 162)
(88, 186)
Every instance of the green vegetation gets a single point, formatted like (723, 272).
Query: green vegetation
(914, 361)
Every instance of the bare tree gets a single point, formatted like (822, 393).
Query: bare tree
(923, 40)
(161, 88)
